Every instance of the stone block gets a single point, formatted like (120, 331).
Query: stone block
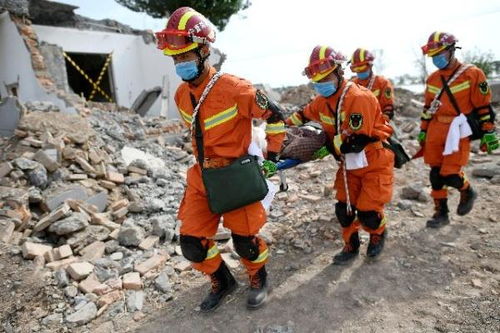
(99, 200)
(31, 250)
(116, 177)
(64, 252)
(5, 169)
(149, 242)
(132, 281)
(6, 229)
(79, 270)
(46, 158)
(76, 193)
(90, 284)
(59, 213)
(154, 262)
(93, 251)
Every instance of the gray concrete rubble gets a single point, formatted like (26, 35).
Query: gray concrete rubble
(10, 115)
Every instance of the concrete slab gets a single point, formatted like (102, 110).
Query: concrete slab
(10, 114)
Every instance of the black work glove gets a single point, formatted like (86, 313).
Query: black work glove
(272, 156)
(355, 143)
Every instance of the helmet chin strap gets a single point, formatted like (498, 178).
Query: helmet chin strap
(201, 64)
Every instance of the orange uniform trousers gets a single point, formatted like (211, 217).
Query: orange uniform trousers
(433, 153)
(199, 221)
(370, 188)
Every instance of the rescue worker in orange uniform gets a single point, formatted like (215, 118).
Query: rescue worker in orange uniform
(355, 128)
(471, 94)
(226, 121)
(362, 65)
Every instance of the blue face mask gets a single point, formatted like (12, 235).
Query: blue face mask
(440, 61)
(187, 70)
(363, 75)
(325, 89)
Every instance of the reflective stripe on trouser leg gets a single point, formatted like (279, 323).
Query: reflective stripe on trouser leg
(212, 261)
(466, 181)
(254, 265)
(380, 229)
(348, 231)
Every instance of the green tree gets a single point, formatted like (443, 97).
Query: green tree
(217, 11)
(483, 60)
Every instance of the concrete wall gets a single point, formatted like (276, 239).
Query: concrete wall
(15, 62)
(135, 64)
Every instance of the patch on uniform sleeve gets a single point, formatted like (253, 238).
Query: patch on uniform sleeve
(261, 100)
(484, 88)
(388, 93)
(355, 121)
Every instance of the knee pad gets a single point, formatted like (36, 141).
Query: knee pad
(192, 248)
(345, 220)
(437, 181)
(246, 246)
(455, 181)
(370, 219)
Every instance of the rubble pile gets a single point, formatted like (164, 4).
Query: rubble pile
(92, 201)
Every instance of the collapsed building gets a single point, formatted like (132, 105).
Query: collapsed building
(49, 53)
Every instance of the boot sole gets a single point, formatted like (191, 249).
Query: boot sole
(264, 301)
(474, 197)
(345, 262)
(438, 225)
(229, 291)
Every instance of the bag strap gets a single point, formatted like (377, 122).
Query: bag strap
(435, 104)
(452, 98)
(195, 122)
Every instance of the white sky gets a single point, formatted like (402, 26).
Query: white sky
(271, 41)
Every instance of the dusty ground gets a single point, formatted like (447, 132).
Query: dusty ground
(445, 280)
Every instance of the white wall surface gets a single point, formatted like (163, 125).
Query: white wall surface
(135, 64)
(15, 61)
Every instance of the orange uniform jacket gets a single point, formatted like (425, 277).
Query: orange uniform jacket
(370, 187)
(383, 90)
(226, 121)
(471, 92)
(358, 101)
(226, 116)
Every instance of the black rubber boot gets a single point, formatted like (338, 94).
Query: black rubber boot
(349, 252)
(440, 217)
(467, 198)
(259, 290)
(223, 283)
(376, 244)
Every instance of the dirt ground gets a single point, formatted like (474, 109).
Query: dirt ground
(445, 280)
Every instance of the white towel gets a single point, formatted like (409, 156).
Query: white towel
(355, 161)
(254, 149)
(459, 129)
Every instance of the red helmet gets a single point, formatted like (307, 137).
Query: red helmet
(185, 30)
(437, 42)
(360, 60)
(323, 61)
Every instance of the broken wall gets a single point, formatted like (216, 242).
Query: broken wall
(135, 64)
(16, 66)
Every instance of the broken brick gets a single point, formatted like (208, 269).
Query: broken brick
(132, 281)
(31, 250)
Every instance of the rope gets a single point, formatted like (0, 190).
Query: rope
(342, 157)
(202, 98)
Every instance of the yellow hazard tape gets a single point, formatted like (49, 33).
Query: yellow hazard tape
(101, 75)
(87, 77)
